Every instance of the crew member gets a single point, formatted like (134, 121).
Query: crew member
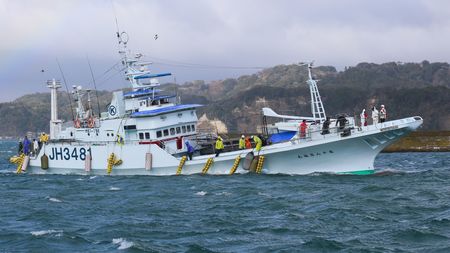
(120, 140)
(35, 146)
(326, 126)
(341, 120)
(258, 142)
(363, 117)
(374, 115)
(242, 142)
(43, 138)
(20, 147)
(248, 143)
(383, 114)
(190, 150)
(26, 146)
(219, 146)
(303, 127)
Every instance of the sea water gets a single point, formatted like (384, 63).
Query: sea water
(404, 207)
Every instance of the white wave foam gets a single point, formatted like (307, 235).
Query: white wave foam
(123, 244)
(264, 194)
(223, 194)
(112, 188)
(92, 177)
(45, 232)
(201, 193)
(53, 199)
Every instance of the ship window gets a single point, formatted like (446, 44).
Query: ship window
(158, 134)
(184, 129)
(193, 127)
(179, 115)
(107, 134)
(172, 131)
(189, 128)
(129, 127)
(166, 132)
(147, 135)
(178, 130)
(141, 136)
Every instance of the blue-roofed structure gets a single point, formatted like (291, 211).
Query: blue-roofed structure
(165, 110)
(152, 76)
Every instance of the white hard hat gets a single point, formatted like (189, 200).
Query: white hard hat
(243, 136)
(382, 105)
(251, 136)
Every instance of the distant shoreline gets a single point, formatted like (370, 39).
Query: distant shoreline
(422, 141)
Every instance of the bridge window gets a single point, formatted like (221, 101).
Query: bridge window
(158, 134)
(166, 132)
(147, 135)
(172, 131)
(189, 128)
(141, 136)
(184, 129)
(178, 130)
(193, 127)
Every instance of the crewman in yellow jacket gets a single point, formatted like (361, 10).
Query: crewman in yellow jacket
(43, 138)
(219, 146)
(242, 142)
(258, 142)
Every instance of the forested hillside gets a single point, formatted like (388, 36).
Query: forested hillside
(405, 89)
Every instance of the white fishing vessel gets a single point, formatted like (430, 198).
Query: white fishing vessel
(144, 132)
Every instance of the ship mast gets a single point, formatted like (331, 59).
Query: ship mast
(55, 123)
(317, 109)
(135, 71)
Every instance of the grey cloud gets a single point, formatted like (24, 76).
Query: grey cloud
(232, 32)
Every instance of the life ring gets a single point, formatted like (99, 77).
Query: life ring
(77, 123)
(91, 122)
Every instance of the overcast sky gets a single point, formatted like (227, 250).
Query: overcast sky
(241, 33)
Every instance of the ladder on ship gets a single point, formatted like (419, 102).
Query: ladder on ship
(317, 109)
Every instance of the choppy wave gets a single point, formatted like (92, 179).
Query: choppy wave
(46, 232)
(123, 244)
(404, 207)
(201, 193)
(54, 199)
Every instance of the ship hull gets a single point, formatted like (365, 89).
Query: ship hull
(332, 154)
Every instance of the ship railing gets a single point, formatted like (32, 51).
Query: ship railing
(317, 133)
